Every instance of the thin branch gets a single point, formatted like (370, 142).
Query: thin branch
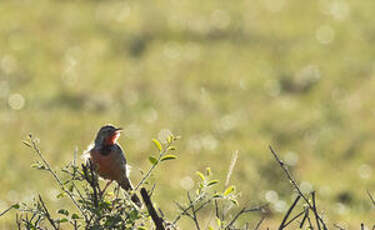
(231, 167)
(294, 183)
(371, 197)
(46, 213)
(306, 211)
(294, 218)
(36, 149)
(282, 225)
(148, 174)
(289, 175)
(260, 222)
(217, 214)
(194, 212)
(185, 210)
(314, 210)
(6, 210)
(243, 211)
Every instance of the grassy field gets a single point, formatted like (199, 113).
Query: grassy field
(224, 75)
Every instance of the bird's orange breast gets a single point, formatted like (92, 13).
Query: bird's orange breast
(106, 165)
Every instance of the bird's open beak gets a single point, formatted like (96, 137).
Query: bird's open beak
(118, 130)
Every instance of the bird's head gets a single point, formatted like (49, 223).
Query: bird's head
(107, 135)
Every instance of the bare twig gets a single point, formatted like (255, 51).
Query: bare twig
(294, 218)
(151, 210)
(282, 225)
(306, 211)
(6, 210)
(243, 211)
(46, 213)
(371, 197)
(296, 187)
(317, 218)
(217, 213)
(36, 149)
(257, 226)
(231, 167)
(18, 222)
(194, 212)
(289, 175)
(184, 211)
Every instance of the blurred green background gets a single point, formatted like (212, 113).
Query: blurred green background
(225, 75)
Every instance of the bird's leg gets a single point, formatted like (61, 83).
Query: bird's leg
(106, 186)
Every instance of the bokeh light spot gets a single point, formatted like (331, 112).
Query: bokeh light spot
(16, 101)
(187, 183)
(306, 187)
(365, 171)
(272, 196)
(291, 158)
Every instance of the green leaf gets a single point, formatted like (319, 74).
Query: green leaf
(60, 195)
(142, 228)
(168, 157)
(75, 216)
(218, 221)
(16, 206)
(27, 144)
(171, 148)
(63, 211)
(170, 139)
(229, 190)
(63, 220)
(71, 187)
(208, 171)
(210, 228)
(200, 175)
(157, 144)
(212, 182)
(153, 160)
(216, 195)
(234, 201)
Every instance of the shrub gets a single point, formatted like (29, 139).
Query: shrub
(98, 209)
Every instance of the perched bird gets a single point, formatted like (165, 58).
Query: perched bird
(109, 159)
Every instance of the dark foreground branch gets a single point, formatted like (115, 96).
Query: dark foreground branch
(151, 210)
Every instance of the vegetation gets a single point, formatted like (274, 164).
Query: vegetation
(226, 76)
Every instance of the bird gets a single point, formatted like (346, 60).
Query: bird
(109, 160)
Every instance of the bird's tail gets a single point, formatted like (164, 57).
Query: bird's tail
(127, 186)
